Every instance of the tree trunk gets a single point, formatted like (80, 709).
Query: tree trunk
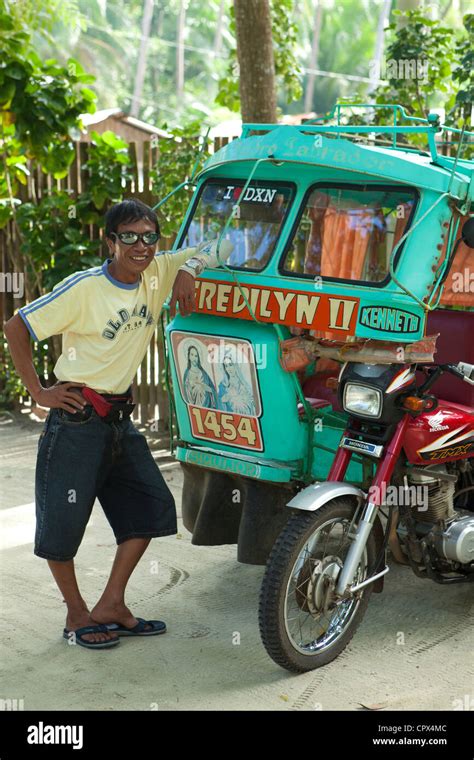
(180, 51)
(313, 62)
(383, 18)
(255, 55)
(406, 5)
(446, 8)
(159, 22)
(219, 28)
(141, 63)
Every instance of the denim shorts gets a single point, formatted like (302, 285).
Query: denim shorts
(79, 461)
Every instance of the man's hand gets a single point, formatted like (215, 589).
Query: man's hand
(183, 292)
(60, 397)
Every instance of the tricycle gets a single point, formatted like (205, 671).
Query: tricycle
(323, 389)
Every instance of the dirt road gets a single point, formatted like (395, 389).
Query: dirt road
(414, 649)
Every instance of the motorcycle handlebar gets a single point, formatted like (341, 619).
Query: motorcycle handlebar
(465, 371)
(462, 370)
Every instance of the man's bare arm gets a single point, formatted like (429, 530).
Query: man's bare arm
(184, 290)
(204, 255)
(19, 343)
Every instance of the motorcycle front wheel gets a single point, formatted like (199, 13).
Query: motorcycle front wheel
(303, 624)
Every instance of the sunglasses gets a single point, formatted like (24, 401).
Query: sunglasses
(129, 238)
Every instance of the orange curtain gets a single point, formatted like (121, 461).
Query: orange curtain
(459, 285)
(316, 214)
(401, 223)
(338, 242)
(345, 241)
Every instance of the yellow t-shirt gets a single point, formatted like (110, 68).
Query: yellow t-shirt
(106, 325)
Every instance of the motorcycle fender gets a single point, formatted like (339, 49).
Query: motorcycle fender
(316, 495)
(313, 497)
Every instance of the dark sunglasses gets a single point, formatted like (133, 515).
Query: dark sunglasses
(129, 238)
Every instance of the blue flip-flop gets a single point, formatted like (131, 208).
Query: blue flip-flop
(80, 632)
(157, 627)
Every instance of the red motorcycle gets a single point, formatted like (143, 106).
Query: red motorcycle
(332, 552)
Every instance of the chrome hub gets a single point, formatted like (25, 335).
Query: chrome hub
(319, 592)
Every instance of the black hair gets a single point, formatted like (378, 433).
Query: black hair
(199, 356)
(131, 210)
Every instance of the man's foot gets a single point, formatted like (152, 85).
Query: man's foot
(105, 613)
(77, 620)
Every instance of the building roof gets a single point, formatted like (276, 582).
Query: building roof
(92, 119)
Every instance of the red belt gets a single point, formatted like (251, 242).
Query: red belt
(117, 408)
(101, 405)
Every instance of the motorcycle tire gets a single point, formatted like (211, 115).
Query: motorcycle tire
(273, 595)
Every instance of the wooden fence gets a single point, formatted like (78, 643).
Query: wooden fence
(151, 397)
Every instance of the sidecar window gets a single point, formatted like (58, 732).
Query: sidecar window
(349, 232)
(256, 224)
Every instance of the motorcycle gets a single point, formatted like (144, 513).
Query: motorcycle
(332, 553)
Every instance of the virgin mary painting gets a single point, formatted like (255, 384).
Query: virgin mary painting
(198, 386)
(235, 394)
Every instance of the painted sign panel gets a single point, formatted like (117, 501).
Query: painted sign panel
(218, 382)
(315, 311)
(389, 320)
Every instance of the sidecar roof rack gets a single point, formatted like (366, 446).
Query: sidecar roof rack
(418, 125)
(339, 146)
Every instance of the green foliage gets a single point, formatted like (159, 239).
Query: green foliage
(47, 101)
(285, 42)
(463, 75)
(54, 240)
(446, 78)
(425, 55)
(40, 104)
(287, 69)
(177, 162)
(108, 167)
(228, 85)
(41, 15)
(106, 39)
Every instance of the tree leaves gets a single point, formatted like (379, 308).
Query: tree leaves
(40, 101)
(177, 160)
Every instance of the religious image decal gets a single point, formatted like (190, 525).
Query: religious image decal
(218, 381)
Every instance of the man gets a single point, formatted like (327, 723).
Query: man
(89, 446)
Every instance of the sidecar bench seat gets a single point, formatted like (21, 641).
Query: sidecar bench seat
(316, 387)
(455, 344)
(315, 403)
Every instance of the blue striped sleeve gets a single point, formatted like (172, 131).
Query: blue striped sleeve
(60, 310)
(25, 320)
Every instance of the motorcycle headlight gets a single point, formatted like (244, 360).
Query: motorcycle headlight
(362, 400)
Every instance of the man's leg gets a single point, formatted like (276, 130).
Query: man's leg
(111, 607)
(77, 613)
(139, 506)
(71, 458)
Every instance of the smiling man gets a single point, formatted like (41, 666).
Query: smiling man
(89, 447)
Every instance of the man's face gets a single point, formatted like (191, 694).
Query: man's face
(134, 258)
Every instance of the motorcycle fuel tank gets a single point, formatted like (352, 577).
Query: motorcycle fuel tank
(442, 435)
